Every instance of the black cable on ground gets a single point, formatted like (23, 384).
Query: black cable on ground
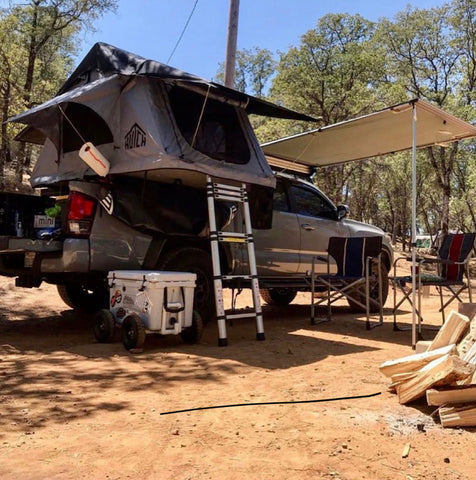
(273, 403)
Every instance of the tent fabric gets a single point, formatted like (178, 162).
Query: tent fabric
(384, 132)
(104, 60)
(145, 133)
(129, 101)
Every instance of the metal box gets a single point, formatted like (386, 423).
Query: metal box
(162, 300)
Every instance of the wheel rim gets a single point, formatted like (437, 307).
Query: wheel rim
(131, 335)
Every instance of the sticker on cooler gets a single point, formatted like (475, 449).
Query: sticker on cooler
(116, 298)
(142, 302)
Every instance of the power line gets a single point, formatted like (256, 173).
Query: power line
(183, 31)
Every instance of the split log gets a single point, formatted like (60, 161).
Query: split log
(413, 362)
(470, 357)
(468, 309)
(451, 331)
(469, 342)
(458, 416)
(399, 378)
(444, 396)
(422, 346)
(446, 370)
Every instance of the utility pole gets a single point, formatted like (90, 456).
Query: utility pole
(230, 60)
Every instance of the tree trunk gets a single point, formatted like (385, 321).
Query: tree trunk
(23, 155)
(443, 164)
(32, 54)
(5, 153)
(445, 208)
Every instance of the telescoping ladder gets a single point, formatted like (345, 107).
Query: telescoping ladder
(239, 196)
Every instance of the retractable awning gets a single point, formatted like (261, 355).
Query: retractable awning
(380, 133)
(406, 126)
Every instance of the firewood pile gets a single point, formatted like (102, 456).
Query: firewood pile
(443, 370)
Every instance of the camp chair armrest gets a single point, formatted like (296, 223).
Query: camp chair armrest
(408, 259)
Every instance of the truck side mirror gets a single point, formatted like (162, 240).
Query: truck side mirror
(343, 211)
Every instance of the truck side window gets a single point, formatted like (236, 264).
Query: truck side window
(280, 198)
(312, 204)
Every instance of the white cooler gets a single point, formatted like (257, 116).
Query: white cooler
(163, 300)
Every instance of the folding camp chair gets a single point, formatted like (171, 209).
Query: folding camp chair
(355, 278)
(452, 263)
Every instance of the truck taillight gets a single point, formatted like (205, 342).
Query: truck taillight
(80, 214)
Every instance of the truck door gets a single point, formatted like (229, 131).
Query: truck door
(277, 249)
(317, 218)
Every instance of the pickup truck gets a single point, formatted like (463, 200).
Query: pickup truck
(127, 146)
(129, 224)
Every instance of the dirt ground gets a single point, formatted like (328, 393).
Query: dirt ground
(73, 408)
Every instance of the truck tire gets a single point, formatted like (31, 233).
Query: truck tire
(373, 293)
(278, 296)
(80, 296)
(198, 261)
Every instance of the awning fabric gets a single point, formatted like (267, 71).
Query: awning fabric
(383, 132)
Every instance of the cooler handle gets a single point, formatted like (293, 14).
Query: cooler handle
(174, 307)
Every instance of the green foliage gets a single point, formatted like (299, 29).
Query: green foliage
(254, 69)
(331, 74)
(38, 39)
(348, 66)
(344, 67)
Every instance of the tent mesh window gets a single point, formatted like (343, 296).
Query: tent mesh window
(219, 135)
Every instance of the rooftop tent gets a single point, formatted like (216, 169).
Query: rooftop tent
(146, 116)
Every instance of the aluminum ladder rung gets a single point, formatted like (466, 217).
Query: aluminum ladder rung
(224, 187)
(229, 198)
(233, 316)
(237, 277)
(233, 237)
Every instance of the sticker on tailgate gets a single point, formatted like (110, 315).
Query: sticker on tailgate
(43, 221)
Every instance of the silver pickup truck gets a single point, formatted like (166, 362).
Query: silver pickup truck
(127, 145)
(123, 225)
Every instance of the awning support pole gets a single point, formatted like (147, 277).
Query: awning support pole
(413, 242)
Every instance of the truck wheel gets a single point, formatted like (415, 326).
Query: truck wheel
(198, 261)
(373, 292)
(104, 326)
(132, 332)
(194, 333)
(278, 296)
(88, 298)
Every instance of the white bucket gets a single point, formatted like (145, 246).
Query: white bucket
(94, 158)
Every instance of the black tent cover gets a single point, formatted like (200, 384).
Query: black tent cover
(104, 60)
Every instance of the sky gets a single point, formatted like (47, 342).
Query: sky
(151, 28)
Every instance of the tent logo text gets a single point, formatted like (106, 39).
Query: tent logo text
(135, 138)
